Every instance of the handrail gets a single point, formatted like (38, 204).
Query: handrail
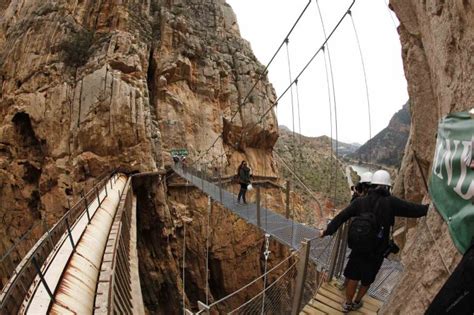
(114, 291)
(22, 276)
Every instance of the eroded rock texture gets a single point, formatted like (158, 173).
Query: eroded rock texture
(90, 86)
(437, 47)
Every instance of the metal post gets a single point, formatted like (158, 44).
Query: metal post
(258, 207)
(342, 250)
(106, 192)
(334, 253)
(288, 199)
(69, 233)
(87, 209)
(302, 269)
(38, 270)
(97, 194)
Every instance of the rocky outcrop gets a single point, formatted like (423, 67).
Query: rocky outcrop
(437, 48)
(90, 86)
(387, 147)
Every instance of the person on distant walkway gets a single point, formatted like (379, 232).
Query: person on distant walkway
(244, 179)
(369, 234)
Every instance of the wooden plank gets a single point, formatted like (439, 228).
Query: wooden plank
(340, 298)
(334, 305)
(323, 307)
(367, 299)
(312, 310)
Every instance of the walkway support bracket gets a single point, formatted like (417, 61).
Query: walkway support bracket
(302, 269)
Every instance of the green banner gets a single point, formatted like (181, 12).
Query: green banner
(452, 177)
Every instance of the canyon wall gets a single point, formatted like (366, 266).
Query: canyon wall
(90, 86)
(437, 40)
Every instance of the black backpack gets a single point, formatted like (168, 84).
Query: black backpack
(363, 233)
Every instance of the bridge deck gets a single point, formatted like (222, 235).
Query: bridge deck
(329, 299)
(290, 233)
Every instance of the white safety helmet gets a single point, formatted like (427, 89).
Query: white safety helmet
(381, 177)
(366, 178)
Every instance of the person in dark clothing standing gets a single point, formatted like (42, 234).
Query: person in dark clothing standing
(244, 179)
(365, 260)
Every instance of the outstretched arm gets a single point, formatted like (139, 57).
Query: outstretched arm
(407, 209)
(342, 217)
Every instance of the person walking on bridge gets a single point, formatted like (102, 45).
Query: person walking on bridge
(243, 172)
(370, 234)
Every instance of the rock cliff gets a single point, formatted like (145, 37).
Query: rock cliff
(437, 49)
(387, 147)
(90, 86)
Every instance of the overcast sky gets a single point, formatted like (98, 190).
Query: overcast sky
(264, 23)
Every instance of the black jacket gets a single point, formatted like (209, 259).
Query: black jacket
(244, 175)
(385, 207)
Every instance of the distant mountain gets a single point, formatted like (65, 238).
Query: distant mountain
(343, 148)
(346, 148)
(387, 147)
(311, 158)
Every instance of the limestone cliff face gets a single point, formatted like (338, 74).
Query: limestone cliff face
(90, 86)
(437, 47)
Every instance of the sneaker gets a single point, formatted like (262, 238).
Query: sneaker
(357, 305)
(346, 307)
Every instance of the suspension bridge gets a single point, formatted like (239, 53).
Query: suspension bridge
(88, 263)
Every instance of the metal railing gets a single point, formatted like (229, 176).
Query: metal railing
(114, 291)
(272, 290)
(22, 276)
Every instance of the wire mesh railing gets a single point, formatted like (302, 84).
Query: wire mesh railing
(21, 275)
(271, 290)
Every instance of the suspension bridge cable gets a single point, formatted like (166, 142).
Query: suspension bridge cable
(263, 73)
(390, 13)
(334, 92)
(328, 60)
(310, 61)
(298, 110)
(311, 193)
(366, 83)
(299, 74)
(291, 89)
(331, 162)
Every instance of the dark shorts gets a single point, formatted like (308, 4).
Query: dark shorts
(243, 186)
(363, 267)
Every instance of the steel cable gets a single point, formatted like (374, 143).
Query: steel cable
(366, 85)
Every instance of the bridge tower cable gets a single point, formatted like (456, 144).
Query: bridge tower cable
(366, 85)
(260, 77)
(329, 77)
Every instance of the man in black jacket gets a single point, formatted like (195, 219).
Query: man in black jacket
(364, 266)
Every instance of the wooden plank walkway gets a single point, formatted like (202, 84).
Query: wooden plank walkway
(328, 300)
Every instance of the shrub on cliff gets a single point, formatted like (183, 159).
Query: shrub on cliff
(77, 48)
